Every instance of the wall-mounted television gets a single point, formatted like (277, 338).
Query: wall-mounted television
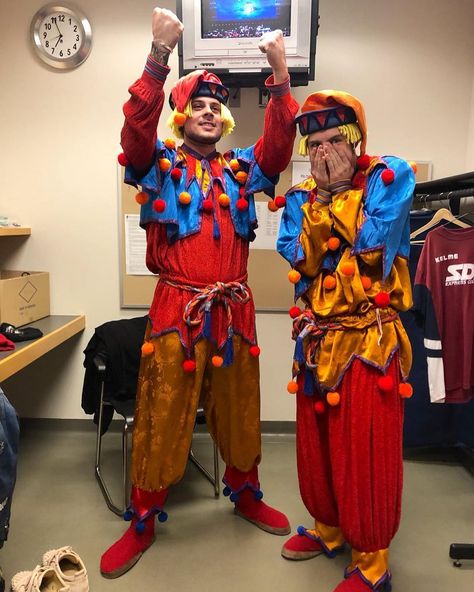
(222, 36)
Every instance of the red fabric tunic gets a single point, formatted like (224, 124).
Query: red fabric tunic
(201, 259)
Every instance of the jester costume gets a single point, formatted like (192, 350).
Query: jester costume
(200, 345)
(352, 357)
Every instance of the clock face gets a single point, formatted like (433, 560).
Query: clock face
(61, 36)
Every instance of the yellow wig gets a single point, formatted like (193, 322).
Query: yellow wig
(350, 131)
(228, 122)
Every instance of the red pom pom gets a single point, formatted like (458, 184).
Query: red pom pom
(159, 205)
(382, 299)
(294, 312)
(319, 407)
(385, 383)
(122, 159)
(242, 204)
(176, 174)
(388, 176)
(207, 205)
(405, 390)
(217, 361)
(141, 198)
(254, 351)
(189, 365)
(363, 162)
(280, 201)
(147, 348)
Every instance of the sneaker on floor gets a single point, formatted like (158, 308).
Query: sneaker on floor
(41, 579)
(69, 566)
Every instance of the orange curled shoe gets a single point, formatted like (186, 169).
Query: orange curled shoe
(41, 578)
(69, 566)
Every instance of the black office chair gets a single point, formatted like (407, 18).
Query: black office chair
(116, 383)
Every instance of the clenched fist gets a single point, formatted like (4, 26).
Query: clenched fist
(273, 45)
(166, 28)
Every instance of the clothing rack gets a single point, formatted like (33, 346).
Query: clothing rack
(452, 189)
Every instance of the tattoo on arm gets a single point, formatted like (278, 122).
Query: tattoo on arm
(160, 54)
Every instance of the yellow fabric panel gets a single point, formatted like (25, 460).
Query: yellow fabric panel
(373, 566)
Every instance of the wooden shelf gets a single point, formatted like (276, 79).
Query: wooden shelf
(15, 231)
(56, 330)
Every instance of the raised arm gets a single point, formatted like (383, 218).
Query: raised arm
(142, 111)
(274, 149)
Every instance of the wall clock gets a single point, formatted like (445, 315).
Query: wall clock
(61, 35)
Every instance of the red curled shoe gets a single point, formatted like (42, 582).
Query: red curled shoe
(263, 516)
(300, 547)
(124, 553)
(355, 583)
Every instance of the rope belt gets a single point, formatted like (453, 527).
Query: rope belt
(307, 325)
(198, 309)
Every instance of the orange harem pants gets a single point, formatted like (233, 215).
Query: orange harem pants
(350, 466)
(167, 401)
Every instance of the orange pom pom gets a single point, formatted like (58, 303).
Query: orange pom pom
(292, 387)
(294, 312)
(141, 198)
(382, 299)
(329, 282)
(170, 143)
(385, 383)
(207, 205)
(363, 162)
(122, 159)
(147, 348)
(176, 174)
(366, 282)
(413, 165)
(234, 165)
(294, 276)
(405, 390)
(224, 200)
(189, 365)
(159, 205)
(184, 198)
(242, 204)
(280, 201)
(333, 243)
(254, 351)
(179, 118)
(272, 205)
(164, 164)
(347, 268)
(333, 398)
(241, 177)
(217, 361)
(388, 176)
(319, 407)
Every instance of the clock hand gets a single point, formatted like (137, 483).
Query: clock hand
(60, 37)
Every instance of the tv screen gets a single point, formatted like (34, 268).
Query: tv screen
(244, 18)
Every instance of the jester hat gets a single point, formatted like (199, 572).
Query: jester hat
(199, 83)
(332, 108)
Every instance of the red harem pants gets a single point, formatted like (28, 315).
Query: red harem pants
(350, 458)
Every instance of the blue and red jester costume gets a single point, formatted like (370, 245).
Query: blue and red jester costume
(198, 210)
(346, 238)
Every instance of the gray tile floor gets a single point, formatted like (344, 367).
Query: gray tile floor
(203, 546)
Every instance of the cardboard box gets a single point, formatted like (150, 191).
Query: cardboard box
(24, 296)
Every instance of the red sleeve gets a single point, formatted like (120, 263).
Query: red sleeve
(274, 149)
(142, 113)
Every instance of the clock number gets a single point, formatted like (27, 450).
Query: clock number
(68, 52)
(45, 35)
(74, 46)
(52, 50)
(77, 37)
(61, 18)
(61, 53)
(75, 28)
(47, 44)
(47, 26)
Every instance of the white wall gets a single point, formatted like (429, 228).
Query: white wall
(411, 62)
